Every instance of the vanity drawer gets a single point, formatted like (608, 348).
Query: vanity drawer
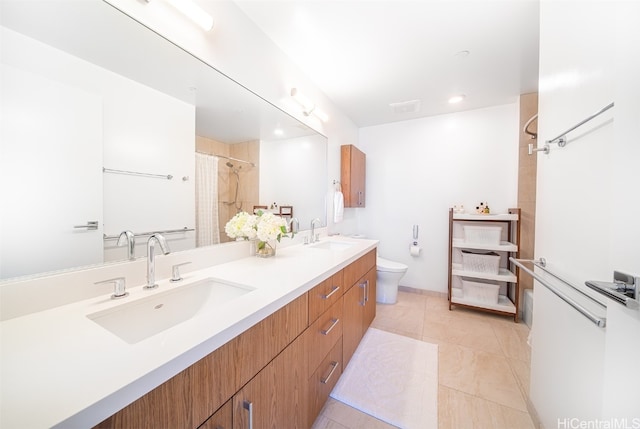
(324, 334)
(325, 295)
(323, 380)
(358, 268)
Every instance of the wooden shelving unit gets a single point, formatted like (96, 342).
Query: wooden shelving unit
(508, 275)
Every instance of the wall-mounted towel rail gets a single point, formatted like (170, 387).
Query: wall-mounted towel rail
(561, 139)
(525, 129)
(142, 234)
(136, 173)
(541, 263)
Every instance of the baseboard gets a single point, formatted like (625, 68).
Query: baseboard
(422, 291)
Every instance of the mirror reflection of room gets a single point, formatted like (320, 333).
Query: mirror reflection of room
(113, 146)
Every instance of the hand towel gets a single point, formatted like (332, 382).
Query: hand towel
(338, 207)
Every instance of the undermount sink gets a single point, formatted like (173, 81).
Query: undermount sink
(141, 319)
(333, 245)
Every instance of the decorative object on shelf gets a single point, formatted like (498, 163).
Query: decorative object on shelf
(264, 227)
(458, 209)
(483, 208)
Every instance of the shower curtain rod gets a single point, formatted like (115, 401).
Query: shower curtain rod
(228, 157)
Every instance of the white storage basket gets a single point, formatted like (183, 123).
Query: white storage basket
(483, 292)
(481, 262)
(482, 234)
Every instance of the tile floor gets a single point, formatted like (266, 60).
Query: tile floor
(483, 366)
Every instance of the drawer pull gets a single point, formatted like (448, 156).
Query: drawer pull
(334, 365)
(334, 289)
(333, 324)
(249, 407)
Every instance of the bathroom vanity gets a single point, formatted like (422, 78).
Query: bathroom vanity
(269, 356)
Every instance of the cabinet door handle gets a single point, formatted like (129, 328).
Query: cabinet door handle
(333, 324)
(363, 286)
(366, 291)
(91, 225)
(249, 407)
(334, 365)
(359, 198)
(334, 289)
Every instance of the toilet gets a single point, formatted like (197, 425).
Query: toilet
(389, 275)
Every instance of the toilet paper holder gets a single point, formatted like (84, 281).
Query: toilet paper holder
(415, 235)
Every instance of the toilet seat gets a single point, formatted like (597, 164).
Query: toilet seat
(388, 266)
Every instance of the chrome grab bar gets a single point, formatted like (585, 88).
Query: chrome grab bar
(597, 320)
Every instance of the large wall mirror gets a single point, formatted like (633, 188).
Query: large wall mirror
(107, 127)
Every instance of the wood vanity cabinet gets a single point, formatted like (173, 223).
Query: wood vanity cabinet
(221, 419)
(278, 373)
(359, 302)
(352, 175)
(193, 395)
(278, 396)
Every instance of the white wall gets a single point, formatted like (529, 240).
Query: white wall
(237, 48)
(586, 197)
(418, 169)
(302, 185)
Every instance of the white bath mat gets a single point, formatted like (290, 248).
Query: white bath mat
(394, 379)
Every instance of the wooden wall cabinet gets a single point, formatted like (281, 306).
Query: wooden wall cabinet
(352, 175)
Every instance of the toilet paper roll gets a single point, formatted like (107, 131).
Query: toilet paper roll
(415, 250)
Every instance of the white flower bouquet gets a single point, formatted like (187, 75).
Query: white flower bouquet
(264, 226)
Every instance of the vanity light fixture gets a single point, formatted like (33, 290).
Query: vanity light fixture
(456, 99)
(192, 11)
(308, 107)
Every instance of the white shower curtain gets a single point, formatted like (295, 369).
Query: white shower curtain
(207, 231)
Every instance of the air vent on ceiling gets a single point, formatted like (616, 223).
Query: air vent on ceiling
(412, 106)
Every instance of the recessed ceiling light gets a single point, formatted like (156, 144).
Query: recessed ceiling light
(278, 131)
(456, 99)
(462, 54)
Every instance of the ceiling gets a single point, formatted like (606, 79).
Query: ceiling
(366, 55)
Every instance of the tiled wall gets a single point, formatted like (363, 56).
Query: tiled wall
(527, 165)
(249, 187)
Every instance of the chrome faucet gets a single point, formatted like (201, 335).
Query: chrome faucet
(127, 237)
(294, 220)
(313, 230)
(151, 263)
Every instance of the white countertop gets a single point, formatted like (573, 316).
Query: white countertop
(59, 368)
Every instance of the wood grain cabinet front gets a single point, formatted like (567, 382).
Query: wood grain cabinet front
(325, 295)
(323, 380)
(278, 396)
(325, 332)
(221, 419)
(353, 175)
(359, 311)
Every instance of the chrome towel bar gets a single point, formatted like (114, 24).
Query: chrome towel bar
(142, 234)
(136, 173)
(541, 263)
(561, 139)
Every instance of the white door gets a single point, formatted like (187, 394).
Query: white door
(50, 174)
